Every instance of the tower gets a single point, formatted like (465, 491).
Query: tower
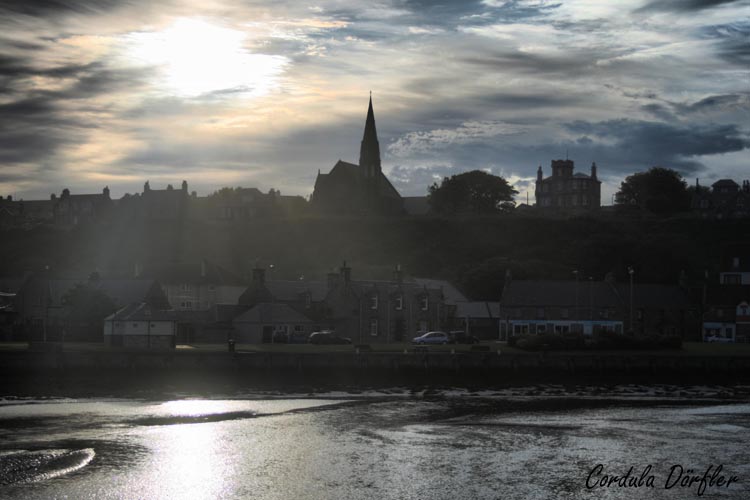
(369, 151)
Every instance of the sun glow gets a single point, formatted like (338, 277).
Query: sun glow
(195, 58)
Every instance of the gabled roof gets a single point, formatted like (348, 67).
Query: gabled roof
(519, 293)
(142, 312)
(291, 290)
(473, 310)
(452, 294)
(721, 183)
(266, 312)
(121, 291)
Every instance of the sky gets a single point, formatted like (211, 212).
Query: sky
(266, 94)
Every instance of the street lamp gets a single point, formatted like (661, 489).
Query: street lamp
(270, 314)
(631, 272)
(576, 315)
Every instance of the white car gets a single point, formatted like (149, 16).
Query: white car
(432, 338)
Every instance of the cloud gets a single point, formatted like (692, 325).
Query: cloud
(684, 5)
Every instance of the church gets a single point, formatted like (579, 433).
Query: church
(358, 189)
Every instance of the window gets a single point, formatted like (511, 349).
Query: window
(731, 279)
(399, 301)
(562, 328)
(424, 302)
(299, 328)
(373, 301)
(186, 304)
(374, 327)
(541, 328)
(185, 287)
(520, 329)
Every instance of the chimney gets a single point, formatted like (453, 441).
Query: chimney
(539, 174)
(184, 186)
(593, 170)
(346, 273)
(105, 191)
(259, 275)
(398, 274)
(203, 268)
(333, 279)
(65, 193)
(146, 187)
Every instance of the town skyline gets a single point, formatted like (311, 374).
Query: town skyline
(102, 93)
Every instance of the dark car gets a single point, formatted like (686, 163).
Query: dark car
(327, 337)
(461, 337)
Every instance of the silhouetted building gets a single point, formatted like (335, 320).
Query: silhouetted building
(588, 307)
(74, 209)
(726, 309)
(566, 191)
(726, 199)
(358, 189)
(164, 204)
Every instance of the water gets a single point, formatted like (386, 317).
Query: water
(534, 443)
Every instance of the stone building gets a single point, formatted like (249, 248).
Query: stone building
(566, 191)
(358, 189)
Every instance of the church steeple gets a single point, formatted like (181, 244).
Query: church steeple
(369, 151)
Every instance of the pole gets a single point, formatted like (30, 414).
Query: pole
(631, 271)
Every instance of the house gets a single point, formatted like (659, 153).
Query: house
(74, 209)
(566, 191)
(726, 314)
(368, 311)
(42, 312)
(480, 319)
(193, 286)
(725, 200)
(589, 307)
(164, 204)
(142, 326)
(372, 311)
(536, 307)
(358, 189)
(260, 323)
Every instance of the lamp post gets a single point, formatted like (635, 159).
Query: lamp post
(575, 311)
(270, 314)
(631, 272)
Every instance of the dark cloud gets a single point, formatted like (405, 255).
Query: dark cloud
(42, 8)
(684, 5)
(733, 42)
(661, 111)
(645, 143)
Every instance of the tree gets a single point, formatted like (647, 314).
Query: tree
(86, 307)
(475, 191)
(659, 190)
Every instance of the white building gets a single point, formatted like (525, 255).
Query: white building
(140, 325)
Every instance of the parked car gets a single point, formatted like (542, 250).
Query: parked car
(461, 337)
(432, 338)
(327, 337)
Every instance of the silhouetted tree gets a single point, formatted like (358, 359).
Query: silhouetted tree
(475, 191)
(86, 307)
(659, 190)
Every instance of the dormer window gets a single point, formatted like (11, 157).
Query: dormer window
(399, 301)
(373, 301)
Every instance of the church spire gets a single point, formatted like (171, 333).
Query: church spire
(369, 151)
